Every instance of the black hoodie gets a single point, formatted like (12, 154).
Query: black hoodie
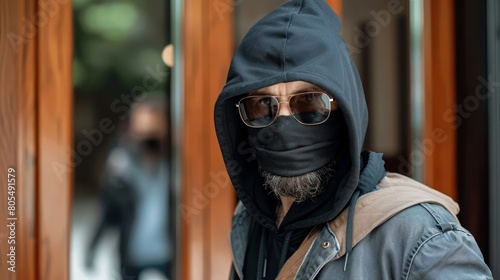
(298, 41)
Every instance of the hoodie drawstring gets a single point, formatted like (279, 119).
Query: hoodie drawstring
(262, 261)
(284, 252)
(350, 221)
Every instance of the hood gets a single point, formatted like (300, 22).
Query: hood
(298, 41)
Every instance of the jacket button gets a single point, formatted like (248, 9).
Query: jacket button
(325, 244)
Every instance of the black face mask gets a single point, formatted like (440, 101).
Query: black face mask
(151, 145)
(288, 148)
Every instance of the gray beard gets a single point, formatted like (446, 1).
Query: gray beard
(302, 187)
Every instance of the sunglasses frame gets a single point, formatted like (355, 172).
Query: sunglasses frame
(330, 98)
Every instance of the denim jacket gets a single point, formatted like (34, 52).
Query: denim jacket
(404, 230)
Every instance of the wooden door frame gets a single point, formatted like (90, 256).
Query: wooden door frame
(207, 199)
(36, 134)
(439, 142)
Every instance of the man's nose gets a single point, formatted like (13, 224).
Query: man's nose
(284, 109)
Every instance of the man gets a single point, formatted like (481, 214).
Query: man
(136, 196)
(291, 121)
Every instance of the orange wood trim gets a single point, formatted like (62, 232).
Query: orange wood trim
(26, 151)
(439, 141)
(207, 200)
(336, 6)
(222, 205)
(9, 25)
(17, 141)
(35, 127)
(55, 138)
(193, 204)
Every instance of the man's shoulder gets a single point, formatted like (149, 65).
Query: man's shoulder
(398, 204)
(407, 205)
(419, 220)
(395, 189)
(433, 243)
(120, 164)
(423, 238)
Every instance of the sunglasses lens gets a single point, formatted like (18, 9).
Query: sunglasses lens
(308, 108)
(258, 111)
(311, 107)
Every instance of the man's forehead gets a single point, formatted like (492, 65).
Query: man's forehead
(289, 87)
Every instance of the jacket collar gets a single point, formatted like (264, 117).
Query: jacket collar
(396, 193)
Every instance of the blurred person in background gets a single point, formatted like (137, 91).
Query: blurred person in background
(135, 193)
